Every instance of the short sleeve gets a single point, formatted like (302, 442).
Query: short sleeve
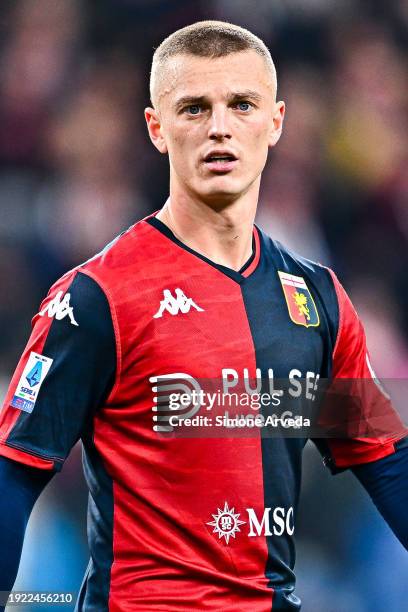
(374, 426)
(65, 373)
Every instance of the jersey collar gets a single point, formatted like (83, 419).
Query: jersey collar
(239, 276)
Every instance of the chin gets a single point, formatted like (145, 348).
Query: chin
(220, 197)
(221, 189)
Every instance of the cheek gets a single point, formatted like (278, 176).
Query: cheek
(177, 146)
(183, 148)
(179, 138)
(259, 140)
(257, 147)
(260, 131)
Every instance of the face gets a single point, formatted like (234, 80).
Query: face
(216, 119)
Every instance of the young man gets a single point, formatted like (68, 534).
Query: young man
(194, 293)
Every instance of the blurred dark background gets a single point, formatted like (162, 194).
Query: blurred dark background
(77, 167)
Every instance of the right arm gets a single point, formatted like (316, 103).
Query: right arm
(20, 486)
(64, 375)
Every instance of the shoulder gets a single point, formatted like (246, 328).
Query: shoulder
(312, 279)
(129, 248)
(76, 308)
(105, 271)
(288, 261)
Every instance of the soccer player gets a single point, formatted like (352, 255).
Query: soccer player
(191, 293)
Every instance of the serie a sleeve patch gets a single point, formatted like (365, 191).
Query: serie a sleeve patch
(29, 385)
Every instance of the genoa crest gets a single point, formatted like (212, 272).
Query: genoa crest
(301, 306)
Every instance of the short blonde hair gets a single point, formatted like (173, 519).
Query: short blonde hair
(207, 39)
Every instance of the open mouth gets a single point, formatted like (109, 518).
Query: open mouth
(219, 158)
(220, 162)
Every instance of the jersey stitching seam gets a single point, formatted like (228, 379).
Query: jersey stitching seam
(4, 442)
(341, 314)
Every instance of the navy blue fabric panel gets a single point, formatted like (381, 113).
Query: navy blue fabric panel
(80, 377)
(281, 459)
(281, 465)
(320, 284)
(20, 485)
(386, 481)
(94, 593)
(283, 345)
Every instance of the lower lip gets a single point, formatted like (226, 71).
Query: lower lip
(221, 167)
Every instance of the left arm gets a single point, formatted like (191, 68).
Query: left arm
(374, 444)
(386, 481)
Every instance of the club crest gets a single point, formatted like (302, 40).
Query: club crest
(301, 306)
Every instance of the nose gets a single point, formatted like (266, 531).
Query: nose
(219, 123)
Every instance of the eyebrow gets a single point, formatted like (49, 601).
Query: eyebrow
(246, 93)
(234, 95)
(186, 100)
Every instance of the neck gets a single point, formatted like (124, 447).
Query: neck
(223, 235)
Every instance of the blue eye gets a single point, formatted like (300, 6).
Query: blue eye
(194, 109)
(244, 106)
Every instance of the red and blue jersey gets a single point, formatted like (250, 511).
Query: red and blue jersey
(179, 522)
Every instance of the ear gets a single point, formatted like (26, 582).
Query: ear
(154, 128)
(277, 123)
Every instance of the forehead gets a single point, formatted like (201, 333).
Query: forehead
(188, 75)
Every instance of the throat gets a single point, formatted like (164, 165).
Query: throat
(222, 245)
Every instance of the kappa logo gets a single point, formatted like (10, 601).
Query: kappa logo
(59, 308)
(175, 305)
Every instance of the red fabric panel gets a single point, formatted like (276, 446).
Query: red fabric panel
(350, 362)
(161, 537)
